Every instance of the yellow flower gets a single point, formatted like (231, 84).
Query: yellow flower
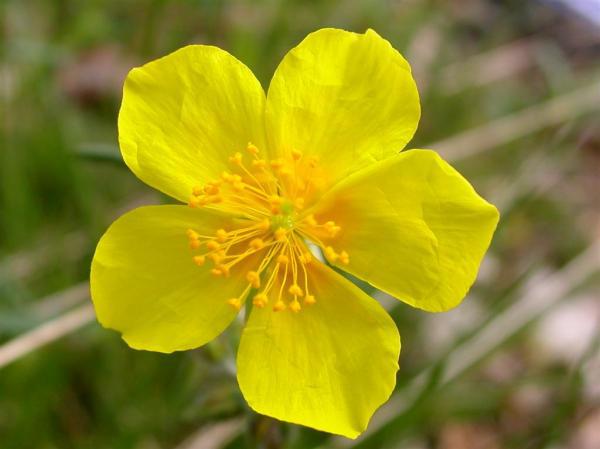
(322, 166)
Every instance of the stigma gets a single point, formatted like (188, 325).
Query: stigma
(270, 228)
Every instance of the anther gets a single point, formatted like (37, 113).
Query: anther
(331, 254)
(222, 235)
(265, 225)
(344, 258)
(211, 189)
(260, 300)
(236, 158)
(331, 228)
(283, 259)
(295, 306)
(217, 257)
(212, 245)
(285, 172)
(296, 155)
(235, 303)
(194, 244)
(257, 244)
(279, 306)
(192, 235)
(216, 272)
(309, 300)
(310, 219)
(259, 163)
(251, 148)
(197, 191)
(194, 202)
(199, 260)
(253, 278)
(295, 290)
(224, 269)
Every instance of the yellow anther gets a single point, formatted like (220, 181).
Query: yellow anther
(331, 254)
(235, 303)
(285, 172)
(260, 300)
(216, 272)
(344, 258)
(277, 163)
(212, 245)
(217, 257)
(197, 190)
(199, 260)
(305, 258)
(313, 161)
(192, 235)
(238, 186)
(259, 163)
(309, 300)
(279, 306)
(222, 235)
(310, 220)
(253, 278)
(265, 225)
(295, 306)
(331, 228)
(203, 201)
(280, 234)
(251, 148)
(296, 155)
(194, 201)
(226, 176)
(282, 258)
(295, 290)
(215, 199)
(224, 269)
(275, 200)
(211, 189)
(257, 244)
(235, 179)
(299, 203)
(194, 244)
(236, 158)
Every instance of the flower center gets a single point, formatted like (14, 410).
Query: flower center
(269, 228)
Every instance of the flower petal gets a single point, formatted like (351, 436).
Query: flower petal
(414, 227)
(184, 114)
(347, 98)
(145, 285)
(329, 367)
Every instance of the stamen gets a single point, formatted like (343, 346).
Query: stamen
(267, 198)
(199, 260)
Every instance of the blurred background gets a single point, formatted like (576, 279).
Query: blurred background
(510, 94)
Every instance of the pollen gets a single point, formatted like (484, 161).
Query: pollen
(265, 246)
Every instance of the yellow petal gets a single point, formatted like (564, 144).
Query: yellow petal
(414, 227)
(145, 285)
(184, 114)
(344, 97)
(329, 366)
